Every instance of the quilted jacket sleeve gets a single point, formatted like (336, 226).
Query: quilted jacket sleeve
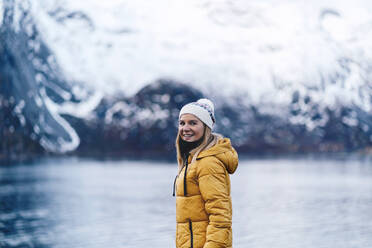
(214, 186)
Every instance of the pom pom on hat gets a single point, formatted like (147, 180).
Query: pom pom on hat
(203, 109)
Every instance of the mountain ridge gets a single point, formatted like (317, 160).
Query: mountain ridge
(46, 111)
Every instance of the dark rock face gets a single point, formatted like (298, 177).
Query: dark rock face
(17, 136)
(144, 125)
(17, 142)
(28, 76)
(255, 132)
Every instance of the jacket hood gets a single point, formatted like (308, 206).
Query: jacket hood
(224, 152)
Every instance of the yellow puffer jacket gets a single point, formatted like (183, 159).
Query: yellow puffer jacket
(203, 203)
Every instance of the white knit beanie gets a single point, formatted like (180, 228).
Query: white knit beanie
(203, 109)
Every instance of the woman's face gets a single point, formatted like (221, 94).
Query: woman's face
(190, 128)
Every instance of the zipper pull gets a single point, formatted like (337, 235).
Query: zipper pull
(174, 186)
(184, 177)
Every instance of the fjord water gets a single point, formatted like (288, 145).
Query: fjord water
(280, 203)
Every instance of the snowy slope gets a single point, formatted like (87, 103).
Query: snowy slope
(33, 88)
(265, 50)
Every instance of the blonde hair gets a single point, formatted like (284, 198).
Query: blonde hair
(209, 140)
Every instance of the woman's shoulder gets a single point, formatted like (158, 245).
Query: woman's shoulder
(210, 165)
(220, 156)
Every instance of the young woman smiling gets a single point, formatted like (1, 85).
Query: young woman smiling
(202, 186)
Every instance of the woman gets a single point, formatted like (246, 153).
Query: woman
(202, 186)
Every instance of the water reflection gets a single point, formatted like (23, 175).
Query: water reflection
(277, 203)
(24, 209)
(86, 204)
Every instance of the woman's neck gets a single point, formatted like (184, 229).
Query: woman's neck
(186, 147)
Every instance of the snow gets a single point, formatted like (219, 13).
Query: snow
(18, 109)
(260, 52)
(82, 109)
(238, 46)
(121, 107)
(145, 116)
(350, 121)
(62, 145)
(1, 12)
(211, 44)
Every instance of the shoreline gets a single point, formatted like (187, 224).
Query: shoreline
(169, 157)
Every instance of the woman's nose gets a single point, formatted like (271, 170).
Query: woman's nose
(186, 127)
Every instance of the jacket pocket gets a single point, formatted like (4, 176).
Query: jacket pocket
(191, 234)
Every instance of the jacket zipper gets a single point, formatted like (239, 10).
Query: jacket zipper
(191, 233)
(184, 177)
(174, 186)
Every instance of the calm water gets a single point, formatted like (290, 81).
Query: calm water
(280, 203)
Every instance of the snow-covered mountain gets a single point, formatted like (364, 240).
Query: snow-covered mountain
(255, 48)
(284, 73)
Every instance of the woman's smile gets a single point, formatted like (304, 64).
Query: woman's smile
(187, 137)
